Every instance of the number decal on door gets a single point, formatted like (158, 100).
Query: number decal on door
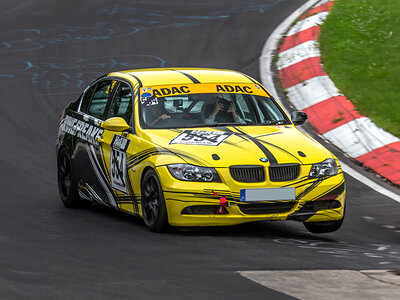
(119, 145)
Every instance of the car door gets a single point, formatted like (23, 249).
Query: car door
(92, 178)
(117, 147)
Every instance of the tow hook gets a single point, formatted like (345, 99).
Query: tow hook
(222, 203)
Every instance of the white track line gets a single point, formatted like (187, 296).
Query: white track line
(348, 170)
(267, 80)
(322, 2)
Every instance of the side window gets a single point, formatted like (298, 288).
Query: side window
(86, 98)
(121, 105)
(100, 98)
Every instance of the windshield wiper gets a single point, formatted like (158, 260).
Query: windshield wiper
(276, 122)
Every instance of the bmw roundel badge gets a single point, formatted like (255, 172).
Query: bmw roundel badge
(263, 159)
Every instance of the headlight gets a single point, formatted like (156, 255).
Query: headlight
(326, 168)
(193, 173)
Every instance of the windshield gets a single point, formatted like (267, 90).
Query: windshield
(209, 110)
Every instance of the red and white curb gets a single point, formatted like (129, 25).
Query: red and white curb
(333, 116)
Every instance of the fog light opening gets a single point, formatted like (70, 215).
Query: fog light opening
(326, 204)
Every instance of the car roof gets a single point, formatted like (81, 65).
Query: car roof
(167, 76)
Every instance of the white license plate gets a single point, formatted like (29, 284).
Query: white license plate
(268, 194)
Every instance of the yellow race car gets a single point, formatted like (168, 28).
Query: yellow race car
(195, 147)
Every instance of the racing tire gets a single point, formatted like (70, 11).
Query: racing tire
(153, 204)
(323, 227)
(67, 184)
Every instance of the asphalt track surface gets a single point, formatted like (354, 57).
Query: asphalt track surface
(50, 50)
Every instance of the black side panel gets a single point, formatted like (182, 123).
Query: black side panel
(79, 133)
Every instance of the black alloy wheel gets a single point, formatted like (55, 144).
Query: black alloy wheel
(67, 185)
(153, 205)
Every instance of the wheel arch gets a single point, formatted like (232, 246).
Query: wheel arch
(71, 156)
(145, 170)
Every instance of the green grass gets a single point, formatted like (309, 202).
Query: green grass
(360, 48)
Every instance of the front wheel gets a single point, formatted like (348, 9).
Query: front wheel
(67, 185)
(153, 205)
(323, 227)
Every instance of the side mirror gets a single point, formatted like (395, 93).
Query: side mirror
(298, 117)
(115, 124)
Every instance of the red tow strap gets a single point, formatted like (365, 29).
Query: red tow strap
(222, 203)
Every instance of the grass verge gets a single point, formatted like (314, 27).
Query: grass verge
(360, 48)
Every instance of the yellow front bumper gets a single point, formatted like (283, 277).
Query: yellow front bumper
(180, 195)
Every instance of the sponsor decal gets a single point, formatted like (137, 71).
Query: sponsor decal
(146, 89)
(170, 91)
(81, 129)
(111, 87)
(201, 137)
(234, 89)
(119, 145)
(180, 90)
(148, 99)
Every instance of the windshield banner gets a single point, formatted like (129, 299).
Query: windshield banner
(175, 90)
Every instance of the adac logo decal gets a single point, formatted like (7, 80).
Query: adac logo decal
(226, 88)
(171, 91)
(81, 129)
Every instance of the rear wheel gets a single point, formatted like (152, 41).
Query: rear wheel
(323, 227)
(153, 205)
(67, 184)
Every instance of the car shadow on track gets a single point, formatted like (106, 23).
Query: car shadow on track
(265, 229)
